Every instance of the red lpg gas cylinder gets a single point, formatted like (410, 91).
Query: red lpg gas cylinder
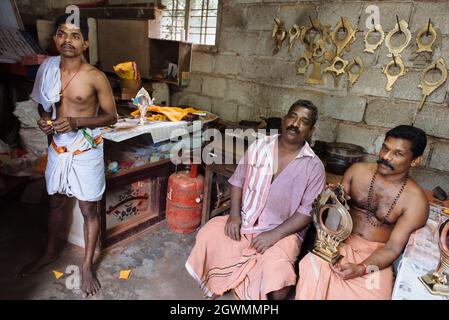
(184, 200)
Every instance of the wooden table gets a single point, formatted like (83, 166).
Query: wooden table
(225, 170)
(421, 255)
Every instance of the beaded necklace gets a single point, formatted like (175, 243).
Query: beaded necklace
(370, 210)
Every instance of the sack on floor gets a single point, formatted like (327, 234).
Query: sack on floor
(33, 139)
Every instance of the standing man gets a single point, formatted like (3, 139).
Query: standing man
(253, 250)
(70, 91)
(386, 206)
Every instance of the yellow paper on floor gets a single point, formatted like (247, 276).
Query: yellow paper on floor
(124, 274)
(58, 274)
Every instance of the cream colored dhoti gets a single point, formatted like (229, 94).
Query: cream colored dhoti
(317, 281)
(74, 167)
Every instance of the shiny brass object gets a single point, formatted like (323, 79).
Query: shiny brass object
(371, 47)
(322, 30)
(437, 282)
(300, 67)
(318, 52)
(333, 223)
(408, 36)
(354, 76)
(350, 37)
(429, 87)
(278, 34)
(316, 77)
(391, 79)
(337, 70)
(315, 48)
(318, 56)
(426, 47)
(294, 34)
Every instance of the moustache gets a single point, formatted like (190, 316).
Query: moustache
(66, 45)
(385, 162)
(296, 129)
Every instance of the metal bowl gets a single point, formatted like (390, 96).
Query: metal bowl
(337, 166)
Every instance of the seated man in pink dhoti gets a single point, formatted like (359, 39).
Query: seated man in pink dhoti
(253, 250)
(386, 206)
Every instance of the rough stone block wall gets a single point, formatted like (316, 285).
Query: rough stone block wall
(243, 80)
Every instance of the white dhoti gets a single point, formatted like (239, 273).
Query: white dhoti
(74, 167)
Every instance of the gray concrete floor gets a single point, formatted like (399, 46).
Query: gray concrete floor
(155, 256)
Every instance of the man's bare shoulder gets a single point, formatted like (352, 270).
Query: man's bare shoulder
(94, 73)
(416, 195)
(361, 168)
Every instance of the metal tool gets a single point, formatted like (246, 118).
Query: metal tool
(350, 35)
(391, 78)
(371, 47)
(429, 87)
(354, 76)
(294, 34)
(400, 27)
(338, 66)
(426, 30)
(278, 34)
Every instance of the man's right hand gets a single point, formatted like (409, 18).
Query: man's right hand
(44, 126)
(232, 227)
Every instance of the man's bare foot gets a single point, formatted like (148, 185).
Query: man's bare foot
(37, 264)
(89, 283)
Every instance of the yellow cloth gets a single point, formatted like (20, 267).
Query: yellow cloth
(127, 70)
(172, 113)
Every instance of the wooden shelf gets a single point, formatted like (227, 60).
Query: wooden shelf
(113, 177)
(162, 52)
(156, 171)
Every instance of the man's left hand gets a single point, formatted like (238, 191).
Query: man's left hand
(264, 241)
(63, 125)
(348, 271)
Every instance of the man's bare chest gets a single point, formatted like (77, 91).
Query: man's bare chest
(384, 203)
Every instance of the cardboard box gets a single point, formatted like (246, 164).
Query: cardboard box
(129, 88)
(128, 93)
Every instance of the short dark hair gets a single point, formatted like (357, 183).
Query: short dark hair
(416, 136)
(83, 25)
(308, 105)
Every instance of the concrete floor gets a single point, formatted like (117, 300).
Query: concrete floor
(155, 256)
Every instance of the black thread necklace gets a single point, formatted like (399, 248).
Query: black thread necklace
(370, 210)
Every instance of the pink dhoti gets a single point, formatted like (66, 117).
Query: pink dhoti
(317, 281)
(220, 264)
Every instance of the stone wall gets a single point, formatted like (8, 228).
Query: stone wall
(243, 80)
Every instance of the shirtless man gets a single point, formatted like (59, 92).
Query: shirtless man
(76, 143)
(386, 206)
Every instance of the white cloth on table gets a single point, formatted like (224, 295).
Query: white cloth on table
(81, 175)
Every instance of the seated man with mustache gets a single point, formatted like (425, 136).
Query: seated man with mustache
(386, 206)
(254, 249)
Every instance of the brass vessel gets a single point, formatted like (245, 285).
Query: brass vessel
(333, 223)
(437, 282)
